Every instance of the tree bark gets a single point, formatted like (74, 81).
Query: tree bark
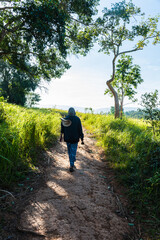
(116, 100)
(122, 100)
(121, 107)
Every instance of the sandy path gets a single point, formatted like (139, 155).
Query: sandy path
(75, 206)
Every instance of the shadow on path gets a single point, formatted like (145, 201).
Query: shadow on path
(75, 206)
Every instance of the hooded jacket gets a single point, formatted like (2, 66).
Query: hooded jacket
(74, 132)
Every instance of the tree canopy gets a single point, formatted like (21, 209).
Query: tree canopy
(16, 85)
(37, 35)
(117, 27)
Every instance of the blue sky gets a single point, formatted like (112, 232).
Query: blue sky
(83, 85)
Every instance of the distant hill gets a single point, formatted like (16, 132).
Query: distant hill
(62, 107)
(106, 110)
(83, 109)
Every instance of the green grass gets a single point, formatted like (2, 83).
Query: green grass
(22, 132)
(130, 148)
(134, 153)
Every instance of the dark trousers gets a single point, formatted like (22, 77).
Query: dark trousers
(72, 149)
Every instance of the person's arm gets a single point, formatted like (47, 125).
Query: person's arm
(61, 137)
(62, 132)
(82, 142)
(81, 132)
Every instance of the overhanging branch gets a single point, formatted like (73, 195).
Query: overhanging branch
(6, 8)
(18, 53)
(129, 51)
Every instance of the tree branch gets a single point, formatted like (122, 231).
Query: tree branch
(114, 49)
(129, 51)
(121, 40)
(6, 8)
(88, 24)
(18, 53)
(5, 30)
(7, 193)
(113, 68)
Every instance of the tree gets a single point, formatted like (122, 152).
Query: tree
(150, 104)
(37, 35)
(31, 99)
(89, 109)
(15, 85)
(127, 77)
(112, 110)
(134, 114)
(116, 28)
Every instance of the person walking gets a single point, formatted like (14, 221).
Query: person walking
(71, 129)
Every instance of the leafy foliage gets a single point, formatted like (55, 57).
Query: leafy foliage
(134, 114)
(35, 35)
(150, 104)
(15, 85)
(32, 99)
(116, 28)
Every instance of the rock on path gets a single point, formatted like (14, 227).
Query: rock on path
(74, 206)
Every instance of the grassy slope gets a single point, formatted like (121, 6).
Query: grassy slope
(134, 153)
(22, 132)
(129, 145)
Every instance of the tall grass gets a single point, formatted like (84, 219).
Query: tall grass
(134, 153)
(22, 132)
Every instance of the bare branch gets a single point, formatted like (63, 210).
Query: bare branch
(114, 49)
(113, 69)
(5, 8)
(129, 51)
(30, 231)
(118, 50)
(88, 24)
(7, 193)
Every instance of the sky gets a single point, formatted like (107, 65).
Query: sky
(84, 84)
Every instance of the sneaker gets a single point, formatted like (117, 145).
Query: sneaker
(71, 169)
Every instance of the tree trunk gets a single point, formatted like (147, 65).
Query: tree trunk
(121, 109)
(122, 100)
(116, 100)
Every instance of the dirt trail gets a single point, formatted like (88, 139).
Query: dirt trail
(75, 206)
